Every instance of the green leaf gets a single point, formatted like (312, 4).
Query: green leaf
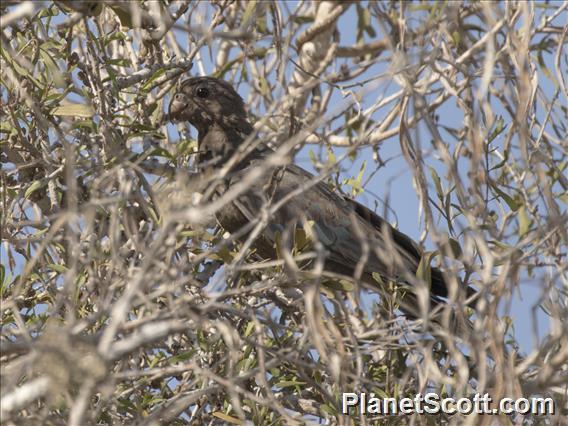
(5, 279)
(54, 73)
(156, 359)
(141, 128)
(302, 19)
(378, 278)
(85, 124)
(249, 329)
(331, 160)
(183, 356)
(437, 183)
(47, 12)
(57, 268)
(513, 205)
(313, 157)
(301, 240)
(339, 285)
(288, 383)
(186, 147)
(245, 364)
(6, 127)
(364, 23)
(74, 110)
(123, 14)
(424, 271)
(455, 247)
(117, 35)
(34, 187)
(225, 255)
(250, 9)
(524, 221)
(227, 418)
(263, 86)
(503, 162)
(152, 79)
(19, 69)
(261, 23)
(119, 62)
(355, 183)
(544, 69)
(499, 127)
(456, 37)
(161, 152)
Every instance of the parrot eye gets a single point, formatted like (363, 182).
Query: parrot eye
(202, 92)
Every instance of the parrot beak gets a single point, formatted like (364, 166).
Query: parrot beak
(178, 105)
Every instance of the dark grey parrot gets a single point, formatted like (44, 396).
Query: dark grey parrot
(356, 240)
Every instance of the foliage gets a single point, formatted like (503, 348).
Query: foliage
(123, 301)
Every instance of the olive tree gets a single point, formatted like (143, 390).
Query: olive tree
(123, 301)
